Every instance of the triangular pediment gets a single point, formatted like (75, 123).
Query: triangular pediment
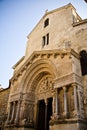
(47, 13)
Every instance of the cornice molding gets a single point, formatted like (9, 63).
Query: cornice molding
(80, 23)
(18, 62)
(45, 54)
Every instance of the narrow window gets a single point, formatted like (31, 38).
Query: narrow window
(83, 61)
(45, 40)
(46, 23)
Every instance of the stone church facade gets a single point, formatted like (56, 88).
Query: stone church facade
(48, 90)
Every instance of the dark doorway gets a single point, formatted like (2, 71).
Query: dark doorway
(49, 112)
(41, 115)
(44, 114)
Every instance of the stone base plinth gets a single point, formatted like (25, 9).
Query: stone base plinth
(20, 128)
(69, 126)
(66, 124)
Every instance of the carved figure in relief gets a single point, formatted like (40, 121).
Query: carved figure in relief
(45, 85)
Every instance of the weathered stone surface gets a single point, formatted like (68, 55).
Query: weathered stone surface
(47, 84)
(4, 95)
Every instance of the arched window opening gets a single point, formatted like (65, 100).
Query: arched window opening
(83, 61)
(46, 23)
(45, 40)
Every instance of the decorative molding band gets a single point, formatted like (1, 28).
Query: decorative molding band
(45, 54)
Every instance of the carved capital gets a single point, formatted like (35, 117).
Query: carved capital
(64, 88)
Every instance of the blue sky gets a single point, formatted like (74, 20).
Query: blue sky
(17, 19)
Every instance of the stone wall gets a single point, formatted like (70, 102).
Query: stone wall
(49, 71)
(4, 95)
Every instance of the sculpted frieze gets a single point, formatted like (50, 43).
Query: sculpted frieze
(29, 96)
(14, 97)
(27, 111)
(44, 88)
(67, 79)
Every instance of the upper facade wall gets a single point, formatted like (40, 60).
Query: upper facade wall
(78, 36)
(60, 23)
(66, 29)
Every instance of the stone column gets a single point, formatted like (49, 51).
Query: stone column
(75, 99)
(17, 113)
(13, 112)
(8, 118)
(54, 108)
(53, 105)
(36, 108)
(65, 102)
(46, 113)
(56, 102)
(31, 113)
(80, 102)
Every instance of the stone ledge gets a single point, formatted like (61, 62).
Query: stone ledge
(67, 121)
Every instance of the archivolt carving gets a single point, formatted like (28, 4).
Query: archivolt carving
(38, 68)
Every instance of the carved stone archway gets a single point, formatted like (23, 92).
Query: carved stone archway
(37, 85)
(42, 89)
(36, 71)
